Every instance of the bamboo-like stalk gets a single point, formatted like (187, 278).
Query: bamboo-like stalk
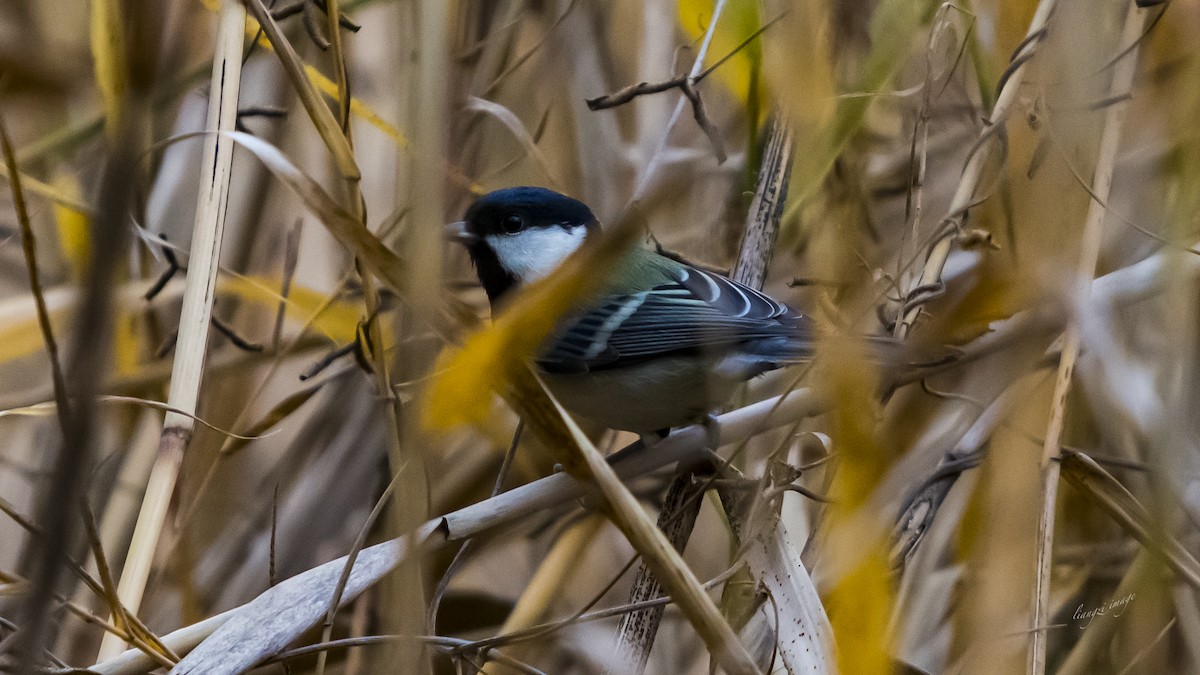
(1110, 139)
(187, 371)
(766, 209)
(638, 630)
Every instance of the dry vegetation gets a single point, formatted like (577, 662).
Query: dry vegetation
(229, 358)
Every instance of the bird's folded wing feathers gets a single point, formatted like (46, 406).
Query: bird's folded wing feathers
(697, 310)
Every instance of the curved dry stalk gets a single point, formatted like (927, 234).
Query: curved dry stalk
(1093, 230)
(965, 194)
(195, 315)
(322, 117)
(514, 125)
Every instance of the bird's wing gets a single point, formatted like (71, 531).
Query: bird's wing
(729, 296)
(696, 310)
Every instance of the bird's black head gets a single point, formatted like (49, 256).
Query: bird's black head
(520, 234)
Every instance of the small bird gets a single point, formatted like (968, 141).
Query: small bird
(659, 346)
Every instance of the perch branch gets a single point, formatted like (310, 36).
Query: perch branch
(244, 636)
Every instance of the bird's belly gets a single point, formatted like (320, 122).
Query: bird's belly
(658, 394)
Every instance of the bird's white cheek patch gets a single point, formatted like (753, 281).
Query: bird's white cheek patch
(532, 254)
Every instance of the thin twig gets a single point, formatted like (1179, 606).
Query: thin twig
(627, 94)
(651, 166)
(686, 84)
(29, 249)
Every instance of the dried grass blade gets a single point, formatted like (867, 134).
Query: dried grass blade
(1084, 473)
(56, 196)
(322, 117)
(513, 123)
(582, 460)
(333, 13)
(348, 230)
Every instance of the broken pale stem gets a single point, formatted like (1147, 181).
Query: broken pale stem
(931, 274)
(187, 370)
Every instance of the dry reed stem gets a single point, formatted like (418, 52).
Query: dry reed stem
(638, 630)
(766, 208)
(1092, 236)
(195, 315)
(333, 25)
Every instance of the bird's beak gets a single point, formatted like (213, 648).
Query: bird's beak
(457, 231)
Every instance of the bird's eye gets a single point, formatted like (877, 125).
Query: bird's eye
(512, 224)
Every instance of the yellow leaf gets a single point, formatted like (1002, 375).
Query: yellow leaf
(859, 607)
(467, 378)
(74, 233)
(337, 320)
(860, 601)
(798, 68)
(108, 57)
